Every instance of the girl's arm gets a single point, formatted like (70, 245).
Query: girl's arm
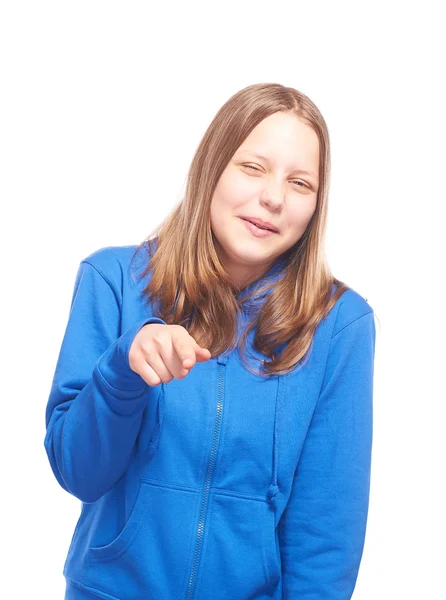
(96, 402)
(322, 529)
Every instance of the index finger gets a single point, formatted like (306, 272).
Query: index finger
(185, 349)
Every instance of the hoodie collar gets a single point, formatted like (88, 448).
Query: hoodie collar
(272, 275)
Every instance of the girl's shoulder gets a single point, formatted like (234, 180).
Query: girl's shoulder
(109, 258)
(351, 305)
(114, 263)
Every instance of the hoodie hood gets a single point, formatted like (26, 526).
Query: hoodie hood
(271, 275)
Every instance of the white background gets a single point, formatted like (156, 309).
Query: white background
(102, 107)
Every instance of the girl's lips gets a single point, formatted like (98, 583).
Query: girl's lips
(256, 230)
(260, 223)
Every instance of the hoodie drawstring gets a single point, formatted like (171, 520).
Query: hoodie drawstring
(274, 492)
(154, 440)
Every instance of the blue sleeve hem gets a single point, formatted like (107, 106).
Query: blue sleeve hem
(114, 365)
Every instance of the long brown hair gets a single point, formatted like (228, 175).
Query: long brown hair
(189, 284)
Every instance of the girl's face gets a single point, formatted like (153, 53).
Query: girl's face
(279, 187)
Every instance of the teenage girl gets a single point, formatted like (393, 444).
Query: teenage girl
(211, 406)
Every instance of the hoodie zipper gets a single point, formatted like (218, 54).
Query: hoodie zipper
(205, 498)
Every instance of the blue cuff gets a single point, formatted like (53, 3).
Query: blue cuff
(114, 366)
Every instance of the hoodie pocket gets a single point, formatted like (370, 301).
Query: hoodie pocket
(239, 555)
(149, 556)
(123, 541)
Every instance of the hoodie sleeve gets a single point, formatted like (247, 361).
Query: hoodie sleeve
(322, 530)
(96, 402)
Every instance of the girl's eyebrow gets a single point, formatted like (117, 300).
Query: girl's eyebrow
(300, 171)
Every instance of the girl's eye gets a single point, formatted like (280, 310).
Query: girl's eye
(251, 167)
(295, 181)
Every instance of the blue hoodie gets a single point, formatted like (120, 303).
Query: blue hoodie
(221, 485)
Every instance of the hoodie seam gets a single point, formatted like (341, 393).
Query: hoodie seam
(105, 279)
(194, 490)
(90, 590)
(351, 322)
